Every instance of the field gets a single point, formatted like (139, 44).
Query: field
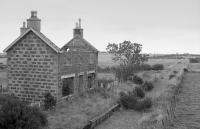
(75, 114)
(128, 119)
(105, 60)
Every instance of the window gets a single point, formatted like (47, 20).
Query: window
(67, 86)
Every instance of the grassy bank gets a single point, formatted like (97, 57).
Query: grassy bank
(75, 114)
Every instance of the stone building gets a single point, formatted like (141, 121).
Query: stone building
(36, 65)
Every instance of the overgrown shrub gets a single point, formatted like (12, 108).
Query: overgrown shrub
(49, 101)
(139, 92)
(128, 101)
(194, 60)
(143, 104)
(171, 76)
(145, 67)
(147, 86)
(131, 101)
(15, 114)
(185, 70)
(137, 80)
(157, 67)
(5, 98)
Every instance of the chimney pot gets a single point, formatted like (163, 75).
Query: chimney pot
(33, 14)
(79, 20)
(23, 28)
(76, 24)
(78, 31)
(24, 24)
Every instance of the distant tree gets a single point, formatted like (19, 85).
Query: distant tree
(127, 53)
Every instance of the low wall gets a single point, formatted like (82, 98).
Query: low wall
(99, 119)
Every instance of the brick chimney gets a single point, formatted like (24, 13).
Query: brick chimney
(34, 22)
(78, 31)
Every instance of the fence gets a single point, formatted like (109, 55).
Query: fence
(98, 120)
(170, 108)
(167, 104)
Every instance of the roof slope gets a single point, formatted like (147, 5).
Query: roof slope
(80, 42)
(40, 35)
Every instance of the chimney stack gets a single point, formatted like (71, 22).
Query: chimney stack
(34, 22)
(23, 28)
(78, 31)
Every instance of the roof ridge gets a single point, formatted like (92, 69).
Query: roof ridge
(84, 40)
(40, 35)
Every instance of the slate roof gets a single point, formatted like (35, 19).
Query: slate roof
(80, 42)
(40, 35)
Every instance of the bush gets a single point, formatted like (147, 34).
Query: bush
(143, 104)
(194, 60)
(171, 76)
(158, 67)
(147, 86)
(139, 92)
(145, 67)
(15, 114)
(5, 98)
(128, 101)
(49, 101)
(137, 80)
(185, 70)
(131, 101)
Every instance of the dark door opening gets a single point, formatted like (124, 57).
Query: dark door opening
(68, 86)
(91, 78)
(81, 84)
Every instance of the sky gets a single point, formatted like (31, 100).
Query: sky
(161, 26)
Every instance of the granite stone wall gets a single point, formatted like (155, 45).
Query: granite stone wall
(78, 63)
(32, 69)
